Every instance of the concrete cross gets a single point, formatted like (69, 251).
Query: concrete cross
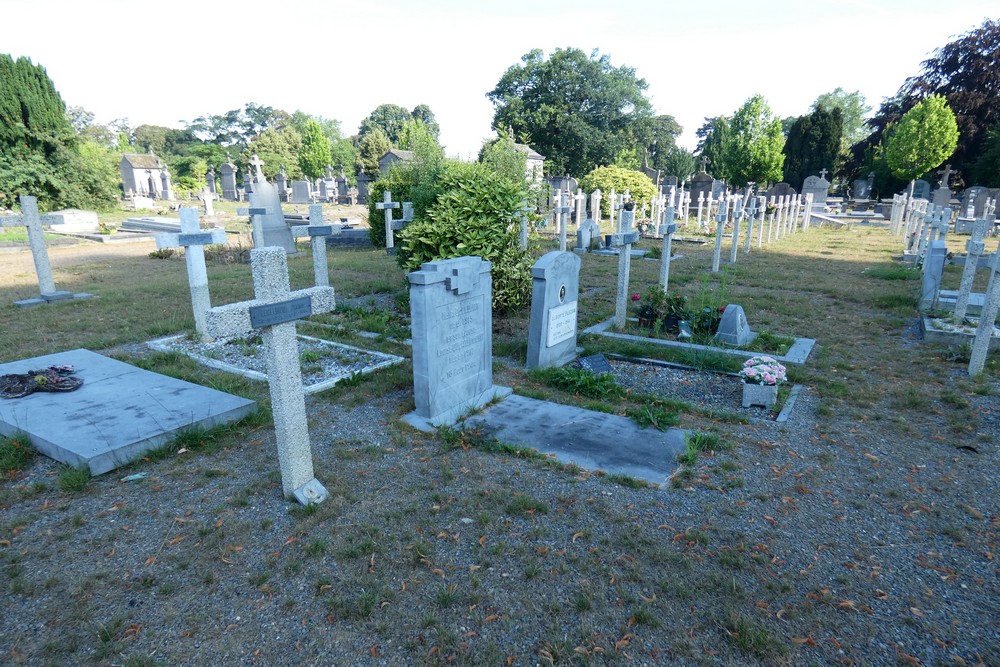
(751, 219)
(194, 240)
(945, 175)
(461, 281)
(387, 205)
(256, 163)
(667, 231)
(274, 311)
(595, 205)
(737, 219)
(720, 223)
(974, 248)
(30, 219)
(560, 210)
(822, 174)
(318, 231)
(580, 198)
(623, 240)
(704, 162)
(526, 210)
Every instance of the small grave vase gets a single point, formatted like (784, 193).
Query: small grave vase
(763, 395)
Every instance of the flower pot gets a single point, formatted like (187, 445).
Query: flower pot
(645, 322)
(763, 395)
(670, 324)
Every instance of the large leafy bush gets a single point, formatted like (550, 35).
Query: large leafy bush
(619, 179)
(476, 213)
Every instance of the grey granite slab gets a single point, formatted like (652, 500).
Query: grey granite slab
(118, 414)
(591, 440)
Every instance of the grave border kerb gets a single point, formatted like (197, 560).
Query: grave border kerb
(798, 353)
(163, 345)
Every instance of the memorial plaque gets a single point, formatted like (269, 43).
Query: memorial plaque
(666, 230)
(562, 323)
(595, 363)
(277, 313)
(204, 238)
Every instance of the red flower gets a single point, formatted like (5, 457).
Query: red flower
(636, 297)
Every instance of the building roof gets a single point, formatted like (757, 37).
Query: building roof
(142, 161)
(529, 152)
(399, 154)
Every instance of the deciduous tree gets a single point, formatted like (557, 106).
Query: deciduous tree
(925, 137)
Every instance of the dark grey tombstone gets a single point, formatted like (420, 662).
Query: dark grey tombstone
(363, 180)
(921, 189)
(780, 190)
(230, 192)
(552, 327)
(733, 327)
(210, 179)
(701, 184)
(718, 188)
(301, 193)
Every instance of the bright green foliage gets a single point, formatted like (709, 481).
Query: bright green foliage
(579, 112)
(423, 113)
(814, 143)
(502, 157)
(32, 114)
(314, 153)
(925, 137)
(678, 162)
(753, 153)
(238, 127)
(371, 147)
(389, 118)
(477, 213)
(986, 169)
(662, 141)
(714, 137)
(276, 148)
(615, 178)
(853, 110)
(416, 137)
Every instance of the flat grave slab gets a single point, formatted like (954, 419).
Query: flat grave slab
(942, 333)
(591, 440)
(947, 299)
(119, 413)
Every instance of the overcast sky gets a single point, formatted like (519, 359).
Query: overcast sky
(163, 63)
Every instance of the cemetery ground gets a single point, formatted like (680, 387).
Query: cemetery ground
(863, 530)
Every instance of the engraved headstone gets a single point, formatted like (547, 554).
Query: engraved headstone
(301, 192)
(452, 331)
(552, 328)
(733, 327)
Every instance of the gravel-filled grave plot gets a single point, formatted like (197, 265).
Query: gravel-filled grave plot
(324, 363)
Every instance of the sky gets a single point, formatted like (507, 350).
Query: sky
(167, 62)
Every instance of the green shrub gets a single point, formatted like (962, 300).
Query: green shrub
(619, 179)
(476, 213)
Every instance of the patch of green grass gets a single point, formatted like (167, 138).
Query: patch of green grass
(522, 505)
(655, 416)
(627, 480)
(893, 272)
(15, 453)
(753, 637)
(577, 381)
(74, 480)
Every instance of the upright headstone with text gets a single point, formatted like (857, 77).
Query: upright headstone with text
(552, 328)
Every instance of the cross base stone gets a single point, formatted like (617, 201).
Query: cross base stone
(311, 493)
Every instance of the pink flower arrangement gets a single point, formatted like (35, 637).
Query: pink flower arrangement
(636, 297)
(762, 370)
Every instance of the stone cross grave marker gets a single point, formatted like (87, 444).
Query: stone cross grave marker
(720, 223)
(930, 288)
(452, 330)
(30, 219)
(387, 205)
(526, 210)
(585, 236)
(269, 226)
(274, 311)
(974, 248)
(623, 240)
(595, 205)
(613, 209)
(194, 240)
(984, 332)
(667, 231)
(552, 327)
(206, 201)
(755, 202)
(318, 231)
(737, 218)
(561, 210)
(580, 209)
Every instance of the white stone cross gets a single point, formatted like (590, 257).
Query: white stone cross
(317, 231)
(751, 219)
(274, 311)
(560, 210)
(984, 332)
(595, 205)
(580, 200)
(974, 247)
(737, 219)
(667, 231)
(526, 210)
(822, 174)
(623, 240)
(194, 240)
(387, 205)
(945, 175)
(30, 219)
(720, 222)
(257, 164)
